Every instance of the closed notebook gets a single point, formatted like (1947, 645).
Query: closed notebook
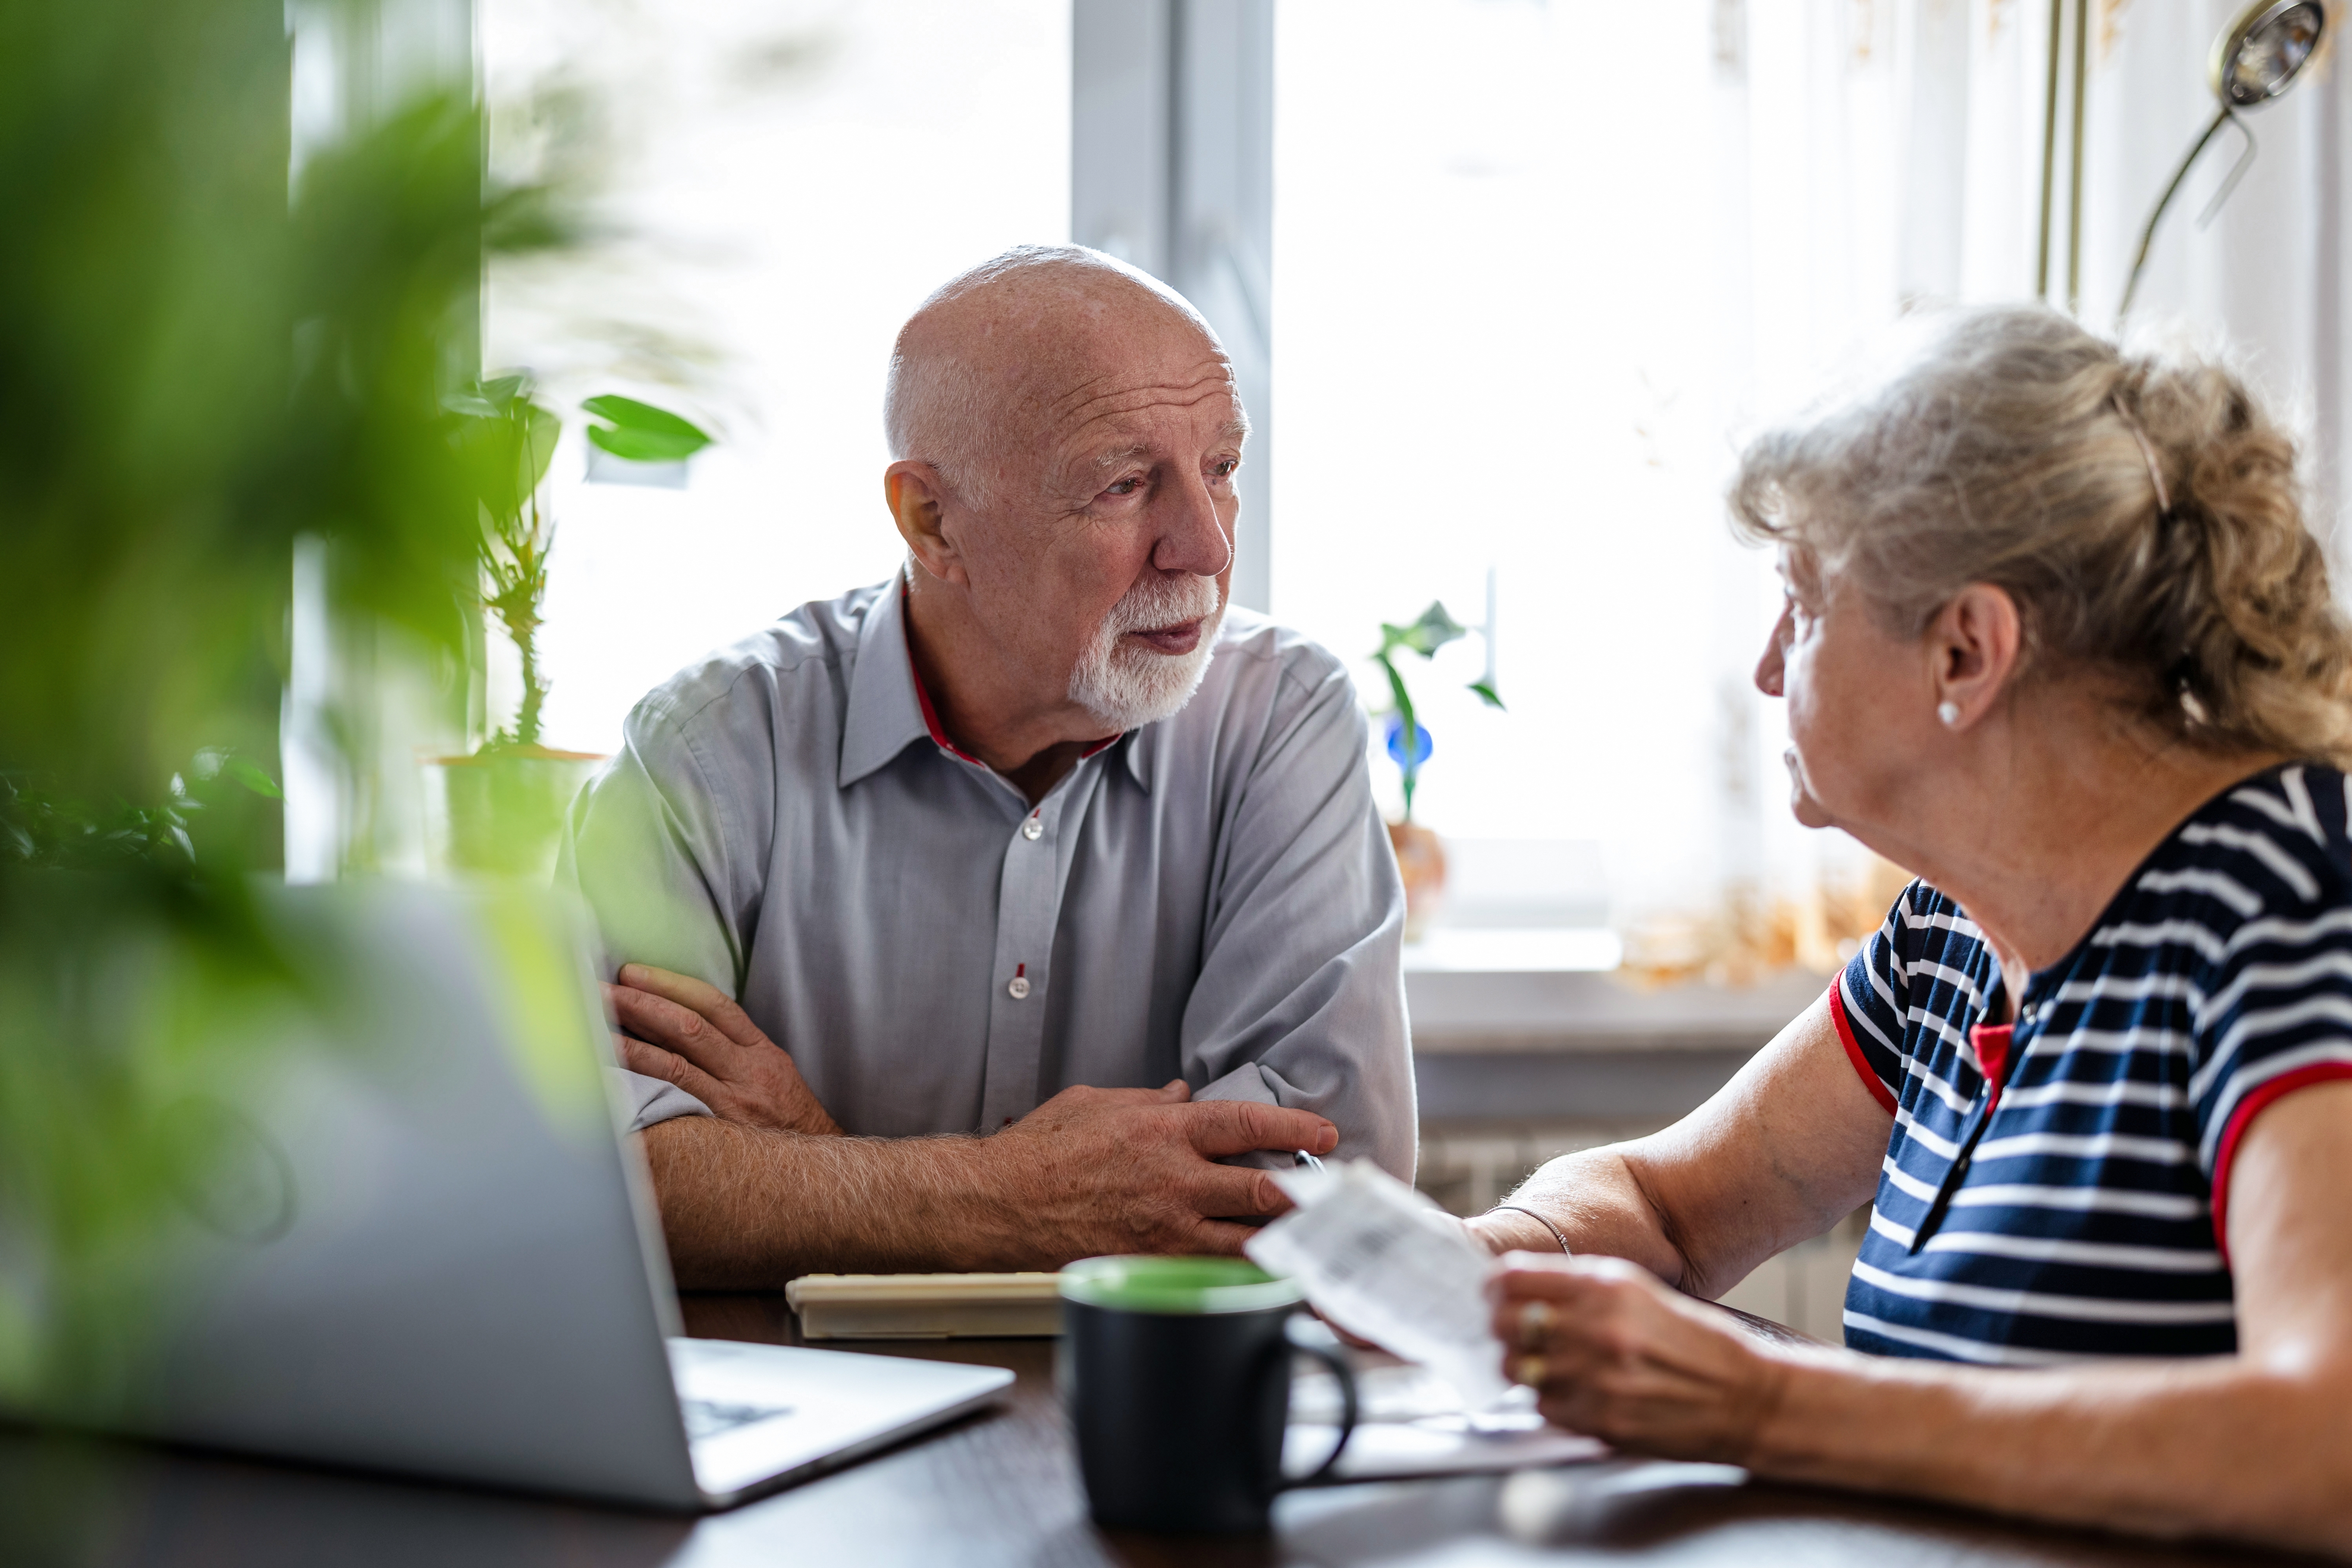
(927, 1306)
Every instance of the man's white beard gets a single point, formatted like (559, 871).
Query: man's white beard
(1130, 685)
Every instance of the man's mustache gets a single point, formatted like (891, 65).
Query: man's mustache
(1164, 601)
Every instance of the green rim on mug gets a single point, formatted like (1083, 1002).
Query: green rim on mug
(1176, 1285)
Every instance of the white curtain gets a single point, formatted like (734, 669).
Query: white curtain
(1891, 151)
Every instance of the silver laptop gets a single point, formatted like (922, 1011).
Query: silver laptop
(402, 1231)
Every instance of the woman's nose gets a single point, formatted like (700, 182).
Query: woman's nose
(1768, 669)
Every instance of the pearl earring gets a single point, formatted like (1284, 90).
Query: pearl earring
(1950, 712)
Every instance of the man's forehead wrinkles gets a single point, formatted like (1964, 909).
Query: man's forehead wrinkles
(1092, 445)
(1081, 401)
(1087, 425)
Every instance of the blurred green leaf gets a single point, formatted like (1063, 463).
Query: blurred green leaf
(201, 366)
(248, 773)
(541, 430)
(1485, 690)
(640, 433)
(1432, 631)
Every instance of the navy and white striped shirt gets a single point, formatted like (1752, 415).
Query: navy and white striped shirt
(2089, 1220)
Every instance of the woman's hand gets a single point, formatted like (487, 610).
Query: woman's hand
(1613, 1353)
(691, 1034)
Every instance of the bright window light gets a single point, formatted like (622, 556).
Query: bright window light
(1533, 282)
(782, 184)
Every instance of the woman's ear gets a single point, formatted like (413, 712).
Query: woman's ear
(1973, 646)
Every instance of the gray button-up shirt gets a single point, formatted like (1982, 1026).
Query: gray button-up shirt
(1211, 897)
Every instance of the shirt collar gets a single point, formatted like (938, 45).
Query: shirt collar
(886, 712)
(889, 709)
(1130, 746)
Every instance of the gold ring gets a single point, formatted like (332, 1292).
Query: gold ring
(1530, 1371)
(1535, 1324)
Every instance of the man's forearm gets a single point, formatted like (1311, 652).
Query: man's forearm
(1090, 1172)
(746, 1207)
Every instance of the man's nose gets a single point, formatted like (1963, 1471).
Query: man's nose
(1193, 537)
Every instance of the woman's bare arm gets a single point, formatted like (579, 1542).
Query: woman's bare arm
(1781, 1152)
(2253, 1445)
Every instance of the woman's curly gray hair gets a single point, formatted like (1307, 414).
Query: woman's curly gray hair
(2009, 450)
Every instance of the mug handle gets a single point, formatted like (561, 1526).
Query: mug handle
(1309, 1337)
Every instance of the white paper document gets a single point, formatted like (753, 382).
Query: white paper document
(1384, 1263)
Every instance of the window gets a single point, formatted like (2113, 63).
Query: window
(785, 182)
(1539, 268)
(1508, 340)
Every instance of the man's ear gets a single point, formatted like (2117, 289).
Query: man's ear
(1974, 647)
(919, 506)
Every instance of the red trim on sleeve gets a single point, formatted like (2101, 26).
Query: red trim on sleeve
(2253, 1105)
(1870, 1078)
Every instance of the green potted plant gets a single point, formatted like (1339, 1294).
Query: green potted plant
(1421, 856)
(208, 373)
(499, 809)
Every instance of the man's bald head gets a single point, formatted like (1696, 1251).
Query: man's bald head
(980, 367)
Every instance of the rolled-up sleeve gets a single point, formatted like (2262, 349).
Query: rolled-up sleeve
(645, 847)
(1300, 999)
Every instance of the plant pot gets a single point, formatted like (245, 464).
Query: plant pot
(1421, 861)
(499, 812)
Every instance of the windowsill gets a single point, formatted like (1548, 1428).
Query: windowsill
(1498, 991)
(1454, 950)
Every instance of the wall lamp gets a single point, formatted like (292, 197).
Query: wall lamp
(2254, 60)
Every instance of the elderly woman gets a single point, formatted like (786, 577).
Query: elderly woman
(2056, 637)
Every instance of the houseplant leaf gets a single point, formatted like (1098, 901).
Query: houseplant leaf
(1427, 635)
(640, 433)
(539, 430)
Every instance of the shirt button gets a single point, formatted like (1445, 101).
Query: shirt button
(1018, 987)
(1032, 829)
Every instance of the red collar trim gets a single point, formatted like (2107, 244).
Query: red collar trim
(1993, 1043)
(931, 715)
(922, 692)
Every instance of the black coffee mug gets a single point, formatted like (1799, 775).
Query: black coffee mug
(1176, 1373)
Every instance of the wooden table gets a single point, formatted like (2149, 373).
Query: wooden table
(998, 1487)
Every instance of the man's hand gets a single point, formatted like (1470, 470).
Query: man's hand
(1096, 1171)
(694, 1035)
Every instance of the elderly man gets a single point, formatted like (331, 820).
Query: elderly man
(988, 850)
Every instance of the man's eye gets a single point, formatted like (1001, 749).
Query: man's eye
(1125, 487)
(1224, 467)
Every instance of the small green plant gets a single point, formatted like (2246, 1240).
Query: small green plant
(518, 532)
(1425, 637)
